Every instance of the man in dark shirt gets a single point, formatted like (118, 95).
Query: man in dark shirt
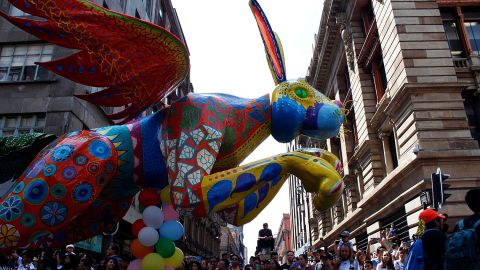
(265, 238)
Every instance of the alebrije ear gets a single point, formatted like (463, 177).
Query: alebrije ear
(273, 47)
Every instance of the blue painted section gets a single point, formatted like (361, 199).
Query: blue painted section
(218, 193)
(154, 165)
(270, 172)
(262, 193)
(276, 180)
(245, 182)
(249, 204)
(328, 122)
(287, 119)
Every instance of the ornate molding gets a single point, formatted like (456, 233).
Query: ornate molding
(346, 33)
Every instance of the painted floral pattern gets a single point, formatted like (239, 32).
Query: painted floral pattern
(8, 235)
(53, 213)
(11, 208)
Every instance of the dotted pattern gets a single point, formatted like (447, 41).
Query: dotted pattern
(58, 185)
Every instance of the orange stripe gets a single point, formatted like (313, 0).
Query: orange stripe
(269, 43)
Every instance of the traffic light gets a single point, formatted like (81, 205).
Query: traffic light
(438, 189)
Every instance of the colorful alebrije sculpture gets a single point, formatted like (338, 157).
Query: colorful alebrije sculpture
(83, 182)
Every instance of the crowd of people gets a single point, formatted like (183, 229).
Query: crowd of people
(432, 249)
(47, 259)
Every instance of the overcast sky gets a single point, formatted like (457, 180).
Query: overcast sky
(227, 56)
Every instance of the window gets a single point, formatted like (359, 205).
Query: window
(379, 78)
(14, 125)
(17, 63)
(122, 5)
(472, 25)
(148, 8)
(161, 11)
(451, 32)
(393, 149)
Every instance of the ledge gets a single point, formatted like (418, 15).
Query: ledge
(27, 82)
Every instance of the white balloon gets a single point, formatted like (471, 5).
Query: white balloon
(148, 236)
(153, 216)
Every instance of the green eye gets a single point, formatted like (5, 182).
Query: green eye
(301, 93)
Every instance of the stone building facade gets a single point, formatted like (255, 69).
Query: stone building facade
(408, 73)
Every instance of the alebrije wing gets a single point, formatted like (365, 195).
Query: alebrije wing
(273, 47)
(138, 62)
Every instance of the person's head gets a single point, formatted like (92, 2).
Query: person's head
(345, 252)
(193, 265)
(112, 250)
(223, 264)
(84, 264)
(431, 218)
(274, 256)
(204, 264)
(403, 253)
(380, 251)
(368, 265)
(303, 260)
(471, 198)
(345, 235)
(327, 259)
(319, 253)
(111, 264)
(251, 261)
(361, 256)
(27, 256)
(124, 260)
(270, 265)
(225, 256)
(290, 256)
(386, 257)
(265, 225)
(235, 260)
(69, 248)
(212, 263)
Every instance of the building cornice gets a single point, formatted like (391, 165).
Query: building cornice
(390, 104)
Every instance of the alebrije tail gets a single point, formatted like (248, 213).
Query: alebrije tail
(64, 179)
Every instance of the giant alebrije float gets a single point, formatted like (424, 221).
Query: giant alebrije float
(83, 183)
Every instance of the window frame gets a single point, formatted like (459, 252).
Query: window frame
(9, 66)
(18, 128)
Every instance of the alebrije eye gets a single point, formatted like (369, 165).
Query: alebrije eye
(301, 93)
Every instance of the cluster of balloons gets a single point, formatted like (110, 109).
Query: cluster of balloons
(156, 231)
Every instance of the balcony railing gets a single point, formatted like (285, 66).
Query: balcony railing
(462, 62)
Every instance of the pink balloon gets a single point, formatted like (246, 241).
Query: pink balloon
(135, 265)
(169, 212)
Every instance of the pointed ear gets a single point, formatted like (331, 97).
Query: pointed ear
(273, 47)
